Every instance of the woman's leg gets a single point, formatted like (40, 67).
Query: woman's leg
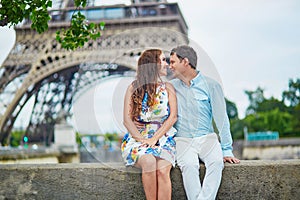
(164, 186)
(148, 165)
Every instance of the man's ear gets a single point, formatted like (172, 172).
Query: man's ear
(186, 60)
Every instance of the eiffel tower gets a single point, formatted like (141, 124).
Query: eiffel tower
(37, 67)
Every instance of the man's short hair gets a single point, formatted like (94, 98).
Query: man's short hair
(185, 51)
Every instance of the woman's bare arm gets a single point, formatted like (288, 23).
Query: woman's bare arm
(127, 121)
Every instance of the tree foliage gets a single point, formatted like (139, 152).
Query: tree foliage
(79, 32)
(271, 104)
(231, 109)
(13, 12)
(271, 114)
(272, 120)
(237, 128)
(255, 97)
(292, 95)
(16, 138)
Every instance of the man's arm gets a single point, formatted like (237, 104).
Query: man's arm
(222, 122)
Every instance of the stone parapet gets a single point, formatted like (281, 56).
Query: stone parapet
(269, 143)
(111, 181)
(61, 154)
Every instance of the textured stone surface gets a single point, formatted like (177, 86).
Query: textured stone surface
(247, 180)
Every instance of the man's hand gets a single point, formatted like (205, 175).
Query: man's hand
(231, 159)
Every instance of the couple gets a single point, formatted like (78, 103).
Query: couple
(152, 107)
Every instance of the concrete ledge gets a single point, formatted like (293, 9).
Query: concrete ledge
(247, 180)
(269, 143)
(64, 154)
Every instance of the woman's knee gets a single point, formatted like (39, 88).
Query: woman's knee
(163, 173)
(147, 162)
(164, 168)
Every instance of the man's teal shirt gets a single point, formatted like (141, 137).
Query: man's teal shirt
(198, 105)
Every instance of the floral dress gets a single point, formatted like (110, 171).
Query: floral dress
(153, 117)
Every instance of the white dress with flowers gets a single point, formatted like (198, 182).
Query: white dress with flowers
(153, 117)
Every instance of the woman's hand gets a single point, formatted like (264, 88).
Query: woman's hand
(150, 142)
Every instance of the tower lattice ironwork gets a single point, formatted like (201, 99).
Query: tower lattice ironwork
(37, 67)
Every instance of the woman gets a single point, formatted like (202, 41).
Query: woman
(152, 102)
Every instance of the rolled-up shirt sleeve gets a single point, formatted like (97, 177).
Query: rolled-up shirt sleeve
(221, 118)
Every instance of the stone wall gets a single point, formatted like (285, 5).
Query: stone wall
(288, 148)
(65, 154)
(247, 180)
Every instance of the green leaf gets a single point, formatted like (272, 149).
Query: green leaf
(49, 4)
(102, 25)
(91, 26)
(84, 3)
(79, 32)
(22, 6)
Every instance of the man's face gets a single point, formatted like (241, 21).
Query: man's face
(176, 65)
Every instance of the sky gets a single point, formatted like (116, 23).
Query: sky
(251, 43)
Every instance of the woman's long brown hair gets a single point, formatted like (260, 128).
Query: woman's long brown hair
(148, 68)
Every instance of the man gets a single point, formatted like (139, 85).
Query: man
(200, 99)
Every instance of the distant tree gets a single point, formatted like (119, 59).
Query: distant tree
(273, 120)
(255, 97)
(231, 109)
(292, 95)
(13, 12)
(271, 104)
(112, 136)
(292, 98)
(237, 128)
(16, 138)
(78, 138)
(296, 117)
(269, 114)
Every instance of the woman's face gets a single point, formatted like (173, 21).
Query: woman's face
(164, 64)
